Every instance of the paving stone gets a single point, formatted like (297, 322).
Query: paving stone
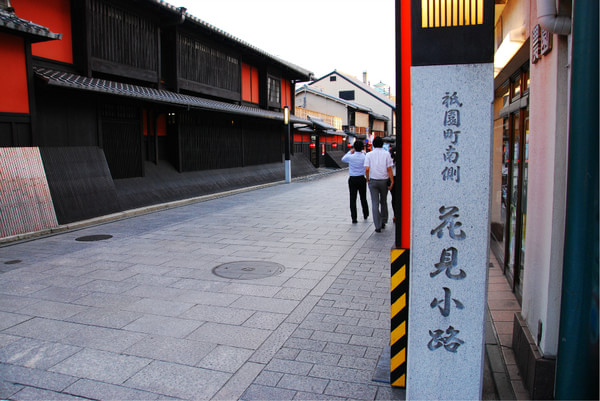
(44, 329)
(239, 382)
(273, 344)
(268, 378)
(7, 390)
(54, 310)
(35, 377)
(57, 293)
(235, 336)
(103, 300)
(265, 320)
(285, 366)
(331, 337)
(225, 359)
(159, 307)
(5, 339)
(155, 292)
(108, 392)
(250, 289)
(107, 286)
(345, 349)
(208, 298)
(163, 325)
(258, 392)
(217, 314)
(101, 365)
(303, 383)
(321, 358)
(305, 344)
(178, 381)
(351, 390)
(12, 303)
(105, 317)
(32, 353)
(169, 349)
(36, 394)
(11, 319)
(19, 288)
(265, 304)
(102, 338)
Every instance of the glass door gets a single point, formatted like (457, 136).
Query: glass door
(523, 204)
(515, 177)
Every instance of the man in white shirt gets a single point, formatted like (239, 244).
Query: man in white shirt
(378, 170)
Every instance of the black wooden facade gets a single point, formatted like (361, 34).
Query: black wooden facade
(150, 83)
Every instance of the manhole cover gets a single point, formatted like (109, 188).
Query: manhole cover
(90, 238)
(249, 270)
(12, 262)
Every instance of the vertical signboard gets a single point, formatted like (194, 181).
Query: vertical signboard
(452, 94)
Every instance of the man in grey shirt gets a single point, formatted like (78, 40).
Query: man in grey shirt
(378, 170)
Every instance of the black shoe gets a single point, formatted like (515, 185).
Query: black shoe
(366, 217)
(354, 221)
(383, 225)
(378, 230)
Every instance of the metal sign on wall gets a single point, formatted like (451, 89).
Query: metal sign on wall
(451, 96)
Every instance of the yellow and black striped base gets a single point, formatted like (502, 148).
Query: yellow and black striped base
(399, 315)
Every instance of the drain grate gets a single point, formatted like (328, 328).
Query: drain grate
(91, 238)
(248, 270)
(12, 262)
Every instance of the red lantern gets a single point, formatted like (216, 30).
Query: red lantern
(334, 145)
(312, 145)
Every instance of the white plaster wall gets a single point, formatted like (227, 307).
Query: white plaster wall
(323, 105)
(546, 194)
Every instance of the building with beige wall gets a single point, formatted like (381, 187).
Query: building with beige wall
(536, 50)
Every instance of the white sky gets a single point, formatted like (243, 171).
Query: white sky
(350, 36)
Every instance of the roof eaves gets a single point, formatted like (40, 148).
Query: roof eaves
(334, 98)
(360, 85)
(9, 21)
(68, 80)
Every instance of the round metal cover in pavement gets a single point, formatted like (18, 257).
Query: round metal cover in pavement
(248, 270)
(90, 238)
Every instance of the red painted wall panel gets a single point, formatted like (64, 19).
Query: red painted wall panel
(55, 15)
(406, 123)
(286, 93)
(13, 75)
(249, 83)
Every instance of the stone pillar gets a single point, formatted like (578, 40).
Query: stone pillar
(451, 162)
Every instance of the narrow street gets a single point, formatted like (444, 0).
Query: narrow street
(162, 309)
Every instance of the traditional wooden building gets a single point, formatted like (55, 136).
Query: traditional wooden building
(134, 102)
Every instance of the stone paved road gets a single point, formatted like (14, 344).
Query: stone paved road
(142, 316)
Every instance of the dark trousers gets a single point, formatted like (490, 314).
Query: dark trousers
(358, 184)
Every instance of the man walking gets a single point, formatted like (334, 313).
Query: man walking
(378, 170)
(357, 182)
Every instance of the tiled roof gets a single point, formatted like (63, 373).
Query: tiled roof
(36, 33)
(360, 85)
(68, 80)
